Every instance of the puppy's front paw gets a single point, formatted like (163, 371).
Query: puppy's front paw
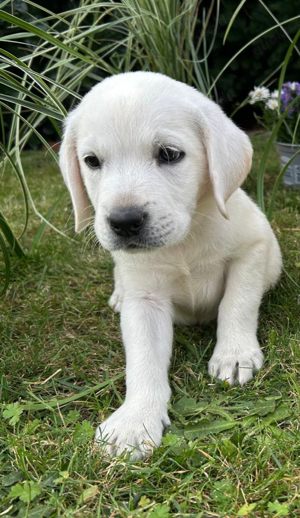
(234, 366)
(137, 430)
(115, 301)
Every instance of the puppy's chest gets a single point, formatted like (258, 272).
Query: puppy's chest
(199, 286)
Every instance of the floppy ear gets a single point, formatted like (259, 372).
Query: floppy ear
(69, 166)
(229, 152)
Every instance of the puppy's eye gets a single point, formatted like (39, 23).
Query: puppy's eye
(170, 155)
(92, 162)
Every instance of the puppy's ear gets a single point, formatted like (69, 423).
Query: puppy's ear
(229, 152)
(70, 169)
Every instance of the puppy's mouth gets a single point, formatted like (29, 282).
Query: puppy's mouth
(133, 244)
(140, 245)
(130, 230)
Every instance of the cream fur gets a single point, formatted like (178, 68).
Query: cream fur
(217, 254)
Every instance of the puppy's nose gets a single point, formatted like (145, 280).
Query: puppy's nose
(127, 221)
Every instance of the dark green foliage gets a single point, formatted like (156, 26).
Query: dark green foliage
(259, 60)
(252, 67)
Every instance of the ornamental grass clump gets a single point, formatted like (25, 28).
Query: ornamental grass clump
(273, 104)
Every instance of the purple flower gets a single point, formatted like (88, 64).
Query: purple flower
(288, 93)
(296, 88)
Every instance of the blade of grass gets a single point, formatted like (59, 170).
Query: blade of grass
(32, 106)
(40, 231)
(34, 130)
(295, 130)
(14, 85)
(2, 126)
(5, 253)
(45, 36)
(53, 403)
(23, 186)
(236, 12)
(11, 238)
(263, 33)
(275, 19)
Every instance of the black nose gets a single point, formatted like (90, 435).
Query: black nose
(127, 221)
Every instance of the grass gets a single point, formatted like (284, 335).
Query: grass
(61, 373)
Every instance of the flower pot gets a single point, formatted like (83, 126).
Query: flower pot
(292, 174)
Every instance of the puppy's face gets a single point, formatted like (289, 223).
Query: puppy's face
(142, 165)
(134, 144)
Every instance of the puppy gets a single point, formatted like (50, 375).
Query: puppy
(161, 165)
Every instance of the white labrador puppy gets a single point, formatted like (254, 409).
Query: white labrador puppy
(162, 165)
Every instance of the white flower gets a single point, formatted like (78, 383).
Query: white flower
(272, 104)
(294, 85)
(260, 93)
(274, 95)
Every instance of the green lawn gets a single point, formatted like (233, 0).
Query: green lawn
(230, 451)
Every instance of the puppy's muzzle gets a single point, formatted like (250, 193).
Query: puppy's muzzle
(127, 221)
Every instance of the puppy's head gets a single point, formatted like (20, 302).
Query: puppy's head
(142, 149)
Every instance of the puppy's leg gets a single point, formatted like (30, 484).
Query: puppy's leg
(237, 353)
(137, 426)
(115, 300)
